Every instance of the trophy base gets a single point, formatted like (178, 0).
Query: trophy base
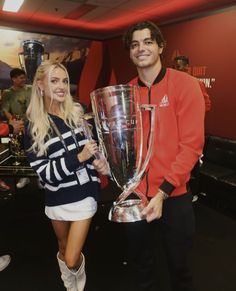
(129, 210)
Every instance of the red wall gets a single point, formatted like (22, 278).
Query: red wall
(107, 64)
(210, 44)
(123, 68)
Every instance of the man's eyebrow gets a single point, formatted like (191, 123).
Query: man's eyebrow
(145, 39)
(148, 38)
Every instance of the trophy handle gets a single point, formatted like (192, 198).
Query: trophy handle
(151, 108)
(126, 193)
(137, 179)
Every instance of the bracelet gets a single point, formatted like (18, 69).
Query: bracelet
(165, 195)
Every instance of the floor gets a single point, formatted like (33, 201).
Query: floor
(26, 235)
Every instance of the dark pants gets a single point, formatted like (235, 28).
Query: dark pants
(175, 230)
(194, 182)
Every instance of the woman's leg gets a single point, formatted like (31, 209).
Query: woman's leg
(73, 256)
(75, 241)
(61, 229)
(71, 237)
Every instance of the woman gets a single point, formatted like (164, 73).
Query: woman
(63, 158)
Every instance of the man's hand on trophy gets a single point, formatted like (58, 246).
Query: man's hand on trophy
(154, 208)
(88, 151)
(102, 166)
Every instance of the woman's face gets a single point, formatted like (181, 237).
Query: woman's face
(56, 87)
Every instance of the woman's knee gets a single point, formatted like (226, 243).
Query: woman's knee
(62, 248)
(72, 261)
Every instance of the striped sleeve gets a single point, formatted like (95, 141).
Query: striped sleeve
(53, 170)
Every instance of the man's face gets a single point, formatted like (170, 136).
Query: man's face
(181, 66)
(144, 51)
(19, 81)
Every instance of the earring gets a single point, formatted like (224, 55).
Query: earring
(41, 93)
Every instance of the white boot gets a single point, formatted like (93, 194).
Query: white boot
(68, 276)
(81, 275)
(4, 262)
(22, 183)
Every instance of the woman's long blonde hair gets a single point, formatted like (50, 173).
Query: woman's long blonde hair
(39, 126)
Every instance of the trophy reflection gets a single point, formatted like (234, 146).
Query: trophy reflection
(118, 118)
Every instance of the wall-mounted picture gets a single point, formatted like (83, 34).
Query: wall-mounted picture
(27, 50)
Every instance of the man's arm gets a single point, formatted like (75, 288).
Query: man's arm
(190, 112)
(8, 115)
(17, 125)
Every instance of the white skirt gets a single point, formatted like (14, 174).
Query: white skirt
(79, 210)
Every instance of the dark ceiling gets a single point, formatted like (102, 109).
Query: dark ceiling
(102, 19)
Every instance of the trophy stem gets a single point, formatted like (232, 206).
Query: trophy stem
(128, 210)
(124, 195)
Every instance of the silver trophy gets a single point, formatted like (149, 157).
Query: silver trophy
(118, 117)
(32, 56)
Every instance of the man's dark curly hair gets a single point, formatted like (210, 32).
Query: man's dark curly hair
(154, 29)
(16, 72)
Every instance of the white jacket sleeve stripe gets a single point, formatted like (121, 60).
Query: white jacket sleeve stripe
(55, 171)
(63, 165)
(48, 170)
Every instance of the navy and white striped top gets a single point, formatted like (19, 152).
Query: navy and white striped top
(57, 169)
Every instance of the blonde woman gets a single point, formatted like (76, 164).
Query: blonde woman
(61, 155)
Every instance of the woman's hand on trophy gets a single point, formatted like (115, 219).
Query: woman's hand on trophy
(102, 166)
(88, 151)
(154, 209)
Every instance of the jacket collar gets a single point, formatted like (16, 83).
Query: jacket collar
(158, 79)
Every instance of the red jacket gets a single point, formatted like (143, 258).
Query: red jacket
(179, 131)
(206, 96)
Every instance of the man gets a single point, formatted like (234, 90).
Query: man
(16, 98)
(179, 139)
(181, 63)
(14, 103)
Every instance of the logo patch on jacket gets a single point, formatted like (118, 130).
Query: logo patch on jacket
(164, 101)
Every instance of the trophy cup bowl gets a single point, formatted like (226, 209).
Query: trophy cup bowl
(118, 119)
(32, 56)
